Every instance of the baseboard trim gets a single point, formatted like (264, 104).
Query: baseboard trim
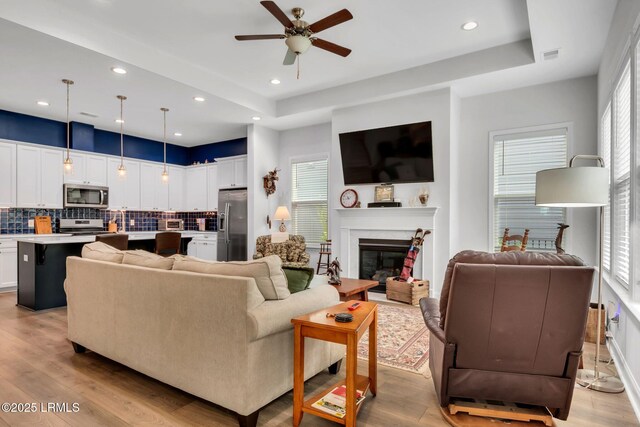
(630, 384)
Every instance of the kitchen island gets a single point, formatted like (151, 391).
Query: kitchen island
(42, 265)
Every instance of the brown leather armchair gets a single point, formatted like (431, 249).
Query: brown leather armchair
(509, 326)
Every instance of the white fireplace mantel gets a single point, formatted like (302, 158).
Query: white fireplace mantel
(386, 223)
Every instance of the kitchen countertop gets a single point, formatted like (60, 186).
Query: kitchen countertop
(50, 239)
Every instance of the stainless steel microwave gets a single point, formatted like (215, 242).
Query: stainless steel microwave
(85, 196)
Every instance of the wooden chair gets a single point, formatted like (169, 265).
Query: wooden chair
(168, 243)
(325, 249)
(510, 242)
(118, 241)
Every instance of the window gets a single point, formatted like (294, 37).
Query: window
(516, 159)
(309, 206)
(622, 177)
(605, 134)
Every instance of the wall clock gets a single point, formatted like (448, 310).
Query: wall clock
(349, 198)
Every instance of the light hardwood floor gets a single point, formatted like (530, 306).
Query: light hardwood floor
(37, 364)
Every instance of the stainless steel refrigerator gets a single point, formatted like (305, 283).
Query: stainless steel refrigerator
(232, 224)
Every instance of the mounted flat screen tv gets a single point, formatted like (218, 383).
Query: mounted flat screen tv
(394, 154)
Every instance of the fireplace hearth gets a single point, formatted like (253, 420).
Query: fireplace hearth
(381, 258)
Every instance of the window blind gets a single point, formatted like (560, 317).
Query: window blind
(605, 132)
(622, 177)
(309, 206)
(516, 159)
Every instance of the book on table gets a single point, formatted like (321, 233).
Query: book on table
(335, 402)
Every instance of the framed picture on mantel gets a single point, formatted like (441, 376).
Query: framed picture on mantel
(384, 193)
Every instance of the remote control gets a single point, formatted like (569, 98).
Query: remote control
(354, 306)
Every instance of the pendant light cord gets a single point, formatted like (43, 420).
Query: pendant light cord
(164, 137)
(68, 83)
(121, 133)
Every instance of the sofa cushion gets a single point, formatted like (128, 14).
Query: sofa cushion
(298, 278)
(102, 252)
(267, 272)
(147, 259)
(501, 258)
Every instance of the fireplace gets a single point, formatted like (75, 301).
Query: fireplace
(381, 258)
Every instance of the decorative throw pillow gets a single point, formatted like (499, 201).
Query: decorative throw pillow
(267, 272)
(102, 252)
(147, 259)
(298, 278)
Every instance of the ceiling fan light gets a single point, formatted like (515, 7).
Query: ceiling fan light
(298, 44)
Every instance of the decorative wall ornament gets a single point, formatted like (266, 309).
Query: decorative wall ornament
(269, 181)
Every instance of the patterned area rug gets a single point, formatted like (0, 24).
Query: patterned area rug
(403, 338)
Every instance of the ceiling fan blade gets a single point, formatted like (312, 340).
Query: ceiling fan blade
(277, 13)
(331, 47)
(289, 58)
(331, 21)
(260, 37)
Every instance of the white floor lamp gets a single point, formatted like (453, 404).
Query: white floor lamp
(576, 187)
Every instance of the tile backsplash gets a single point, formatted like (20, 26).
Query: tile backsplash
(16, 220)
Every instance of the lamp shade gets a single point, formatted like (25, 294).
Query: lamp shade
(573, 187)
(282, 214)
(298, 44)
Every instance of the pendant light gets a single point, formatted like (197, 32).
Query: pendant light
(122, 171)
(68, 163)
(165, 173)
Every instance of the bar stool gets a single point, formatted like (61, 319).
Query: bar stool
(168, 243)
(325, 249)
(118, 241)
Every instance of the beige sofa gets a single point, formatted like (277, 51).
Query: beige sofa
(213, 336)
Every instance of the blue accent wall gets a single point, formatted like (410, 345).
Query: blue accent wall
(81, 136)
(22, 127)
(26, 128)
(216, 150)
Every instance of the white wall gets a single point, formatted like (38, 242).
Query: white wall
(262, 156)
(434, 106)
(625, 344)
(565, 101)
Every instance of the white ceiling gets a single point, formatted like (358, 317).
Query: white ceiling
(175, 50)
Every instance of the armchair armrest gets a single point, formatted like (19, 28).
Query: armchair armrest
(431, 313)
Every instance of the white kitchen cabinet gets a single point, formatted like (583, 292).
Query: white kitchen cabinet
(232, 172)
(203, 248)
(176, 189)
(39, 177)
(212, 187)
(196, 188)
(88, 169)
(240, 172)
(154, 192)
(124, 191)
(226, 173)
(8, 264)
(7, 175)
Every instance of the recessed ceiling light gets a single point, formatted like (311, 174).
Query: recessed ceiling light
(43, 103)
(471, 25)
(256, 118)
(177, 134)
(275, 81)
(198, 99)
(118, 70)
(119, 121)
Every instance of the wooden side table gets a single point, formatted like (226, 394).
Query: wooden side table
(317, 325)
(355, 289)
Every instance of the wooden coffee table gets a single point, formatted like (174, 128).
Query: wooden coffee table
(318, 326)
(355, 289)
